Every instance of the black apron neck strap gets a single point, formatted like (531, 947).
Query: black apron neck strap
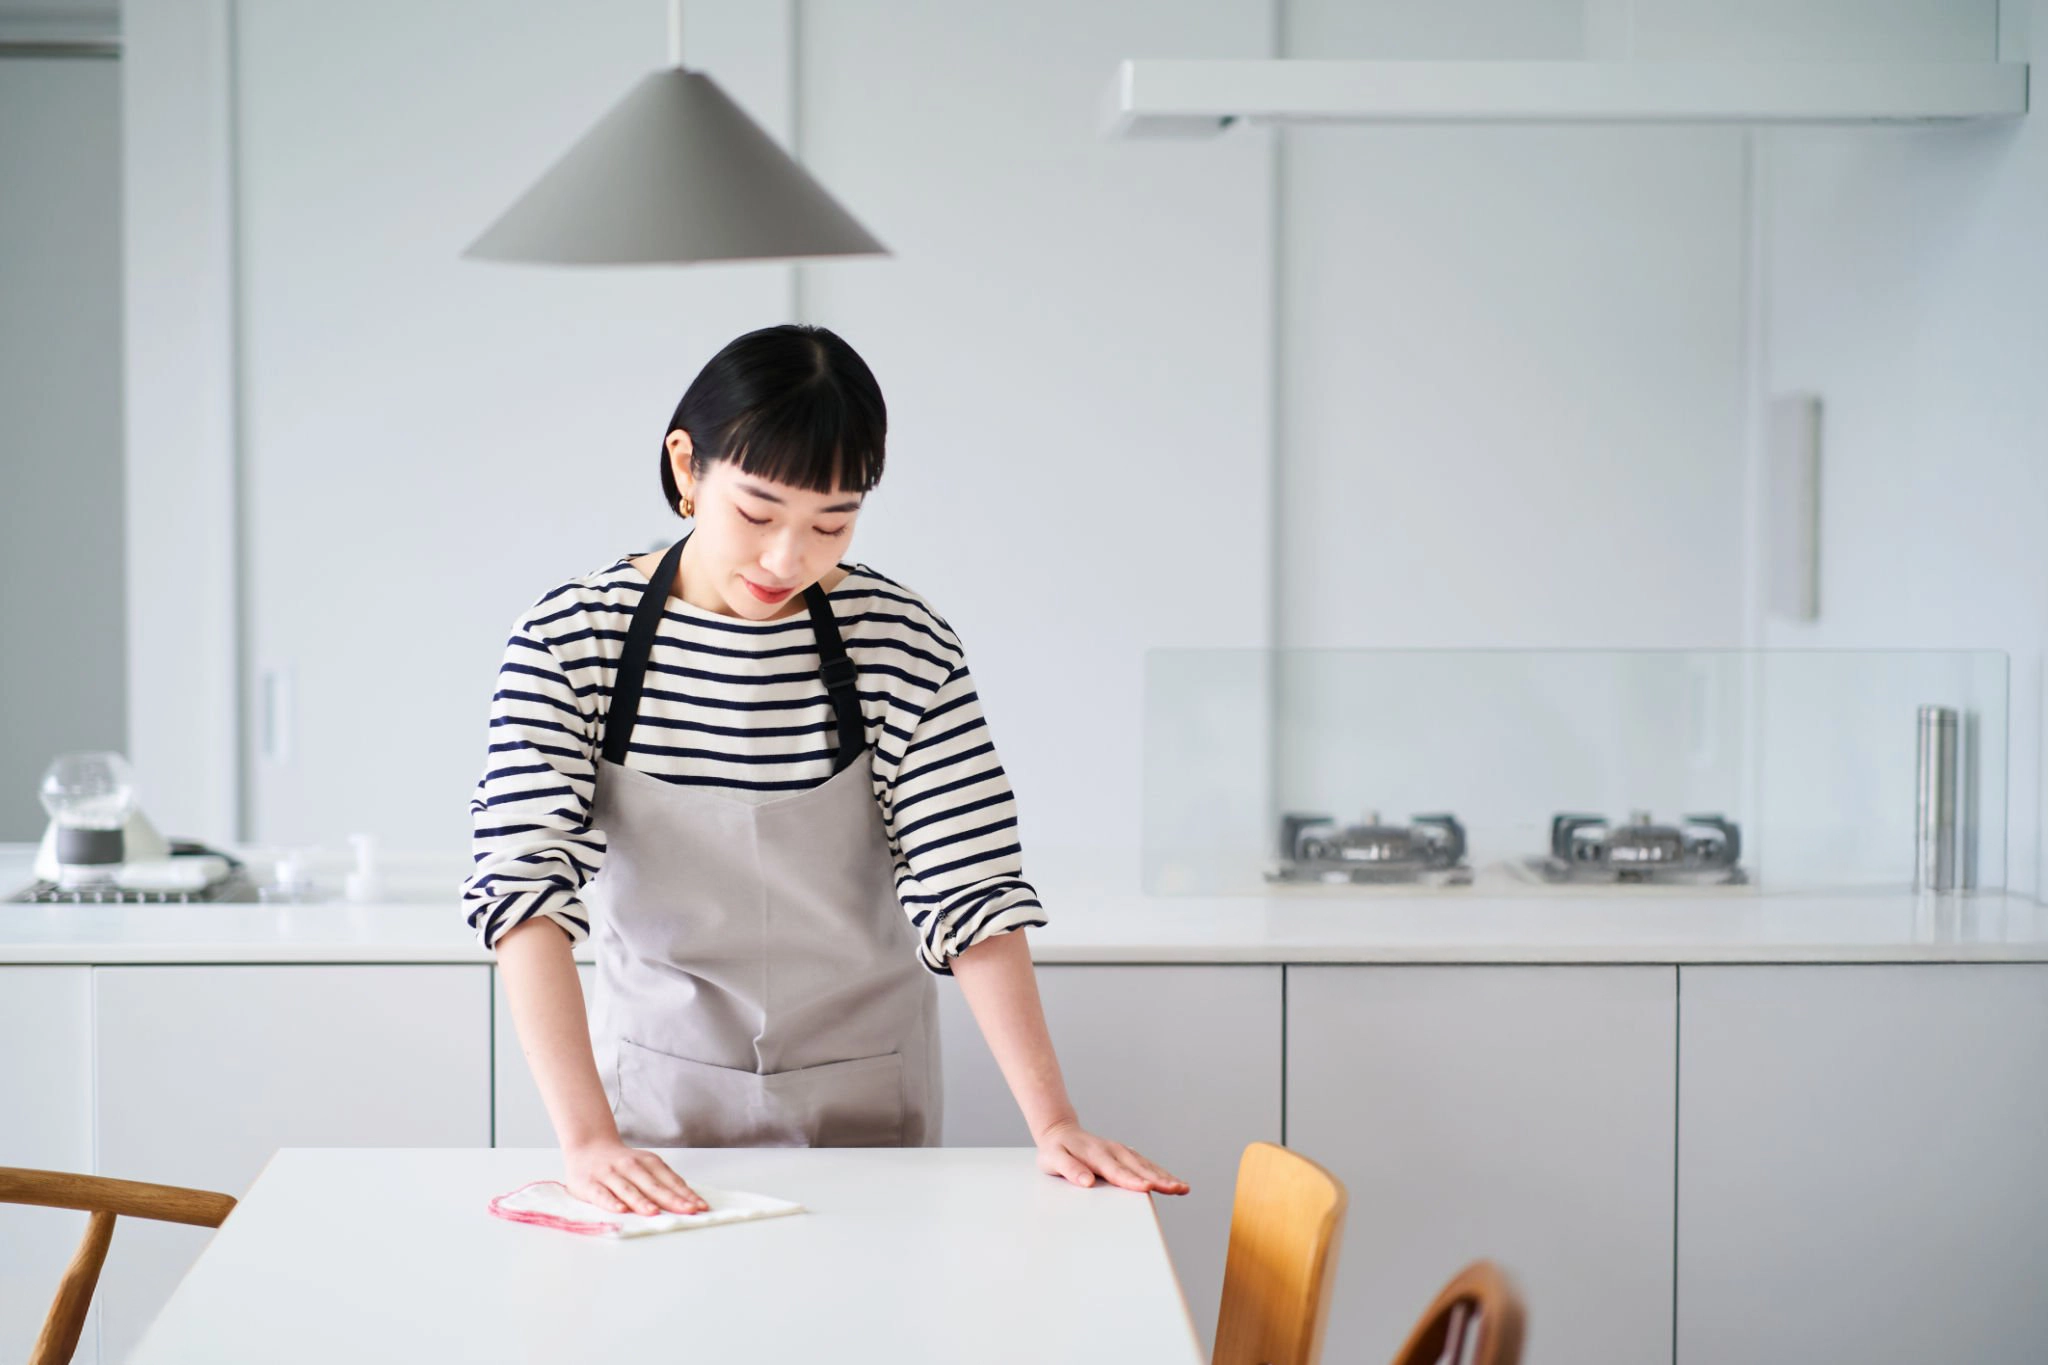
(837, 668)
(632, 674)
(839, 679)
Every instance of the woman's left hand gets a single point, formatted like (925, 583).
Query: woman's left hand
(1068, 1149)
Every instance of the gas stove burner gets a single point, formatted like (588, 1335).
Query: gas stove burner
(1702, 850)
(1315, 848)
(234, 887)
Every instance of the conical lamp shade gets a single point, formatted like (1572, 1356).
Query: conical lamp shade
(674, 172)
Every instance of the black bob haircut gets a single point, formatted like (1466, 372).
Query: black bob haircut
(792, 403)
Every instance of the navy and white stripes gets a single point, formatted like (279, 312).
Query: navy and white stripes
(739, 705)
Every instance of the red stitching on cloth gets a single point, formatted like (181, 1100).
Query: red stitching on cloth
(581, 1226)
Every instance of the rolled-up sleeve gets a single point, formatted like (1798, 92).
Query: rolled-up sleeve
(531, 844)
(952, 823)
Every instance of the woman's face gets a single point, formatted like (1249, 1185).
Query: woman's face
(757, 544)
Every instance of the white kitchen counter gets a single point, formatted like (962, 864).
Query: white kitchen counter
(1094, 925)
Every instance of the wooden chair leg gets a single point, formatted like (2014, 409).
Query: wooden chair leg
(59, 1339)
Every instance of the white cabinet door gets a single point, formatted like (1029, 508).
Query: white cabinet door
(1524, 1114)
(45, 1123)
(204, 1072)
(521, 1120)
(1180, 1062)
(1863, 1163)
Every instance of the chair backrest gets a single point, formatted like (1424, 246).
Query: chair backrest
(1477, 1319)
(105, 1199)
(1286, 1221)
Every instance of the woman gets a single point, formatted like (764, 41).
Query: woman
(776, 834)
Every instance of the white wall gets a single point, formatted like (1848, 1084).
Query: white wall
(178, 303)
(1806, 30)
(1075, 342)
(64, 669)
(1514, 365)
(1519, 367)
(1512, 414)
(1512, 387)
(427, 444)
(430, 443)
(1907, 286)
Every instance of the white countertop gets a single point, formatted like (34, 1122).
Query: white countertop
(902, 1255)
(1094, 920)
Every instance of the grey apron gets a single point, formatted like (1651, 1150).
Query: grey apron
(758, 983)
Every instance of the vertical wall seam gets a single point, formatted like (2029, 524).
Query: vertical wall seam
(793, 29)
(1285, 972)
(1755, 380)
(2040, 834)
(239, 514)
(1276, 485)
(1677, 1115)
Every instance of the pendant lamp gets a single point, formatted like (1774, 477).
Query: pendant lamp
(676, 172)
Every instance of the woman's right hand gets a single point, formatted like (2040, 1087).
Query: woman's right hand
(611, 1175)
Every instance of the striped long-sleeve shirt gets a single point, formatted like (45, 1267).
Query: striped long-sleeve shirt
(740, 705)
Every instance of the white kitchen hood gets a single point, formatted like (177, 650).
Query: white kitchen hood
(1171, 97)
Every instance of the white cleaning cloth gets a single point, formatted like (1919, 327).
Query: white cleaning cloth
(549, 1204)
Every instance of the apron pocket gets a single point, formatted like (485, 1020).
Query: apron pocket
(670, 1101)
(844, 1104)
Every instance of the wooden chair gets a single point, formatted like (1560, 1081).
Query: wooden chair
(1286, 1220)
(105, 1200)
(1477, 1318)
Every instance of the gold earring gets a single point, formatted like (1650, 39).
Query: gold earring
(689, 507)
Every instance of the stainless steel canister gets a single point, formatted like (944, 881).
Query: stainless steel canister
(1937, 853)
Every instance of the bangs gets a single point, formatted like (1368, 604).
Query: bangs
(808, 439)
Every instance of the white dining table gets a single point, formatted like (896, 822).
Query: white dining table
(902, 1255)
